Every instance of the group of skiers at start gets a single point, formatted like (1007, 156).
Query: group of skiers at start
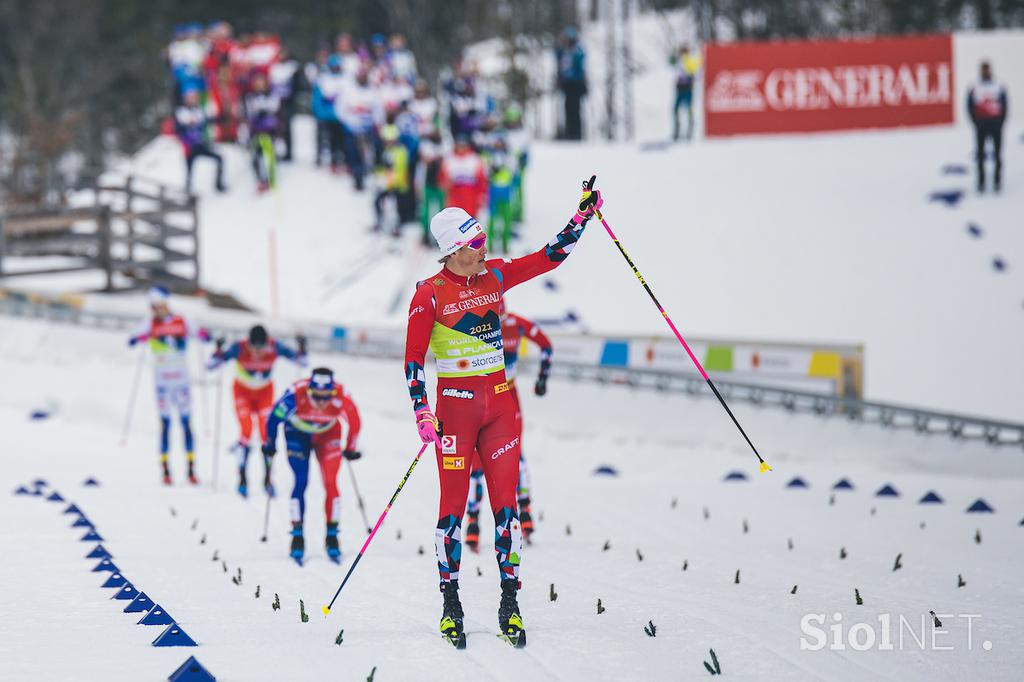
(475, 425)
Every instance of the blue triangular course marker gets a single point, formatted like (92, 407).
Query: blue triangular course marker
(115, 580)
(156, 616)
(797, 482)
(980, 505)
(735, 476)
(140, 604)
(39, 482)
(22, 490)
(606, 471)
(37, 492)
(843, 484)
(99, 552)
(930, 497)
(173, 636)
(950, 198)
(105, 564)
(92, 536)
(126, 593)
(55, 497)
(91, 482)
(191, 671)
(82, 522)
(887, 491)
(72, 509)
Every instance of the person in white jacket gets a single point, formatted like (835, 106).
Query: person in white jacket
(167, 336)
(359, 109)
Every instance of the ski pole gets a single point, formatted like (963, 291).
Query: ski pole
(202, 393)
(327, 607)
(216, 428)
(266, 512)
(131, 397)
(216, 417)
(686, 346)
(272, 264)
(359, 497)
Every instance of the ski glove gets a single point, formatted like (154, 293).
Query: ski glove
(542, 377)
(590, 202)
(426, 424)
(132, 341)
(351, 455)
(269, 449)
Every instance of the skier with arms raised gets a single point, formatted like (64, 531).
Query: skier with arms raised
(254, 389)
(455, 314)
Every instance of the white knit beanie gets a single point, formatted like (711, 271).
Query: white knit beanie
(451, 226)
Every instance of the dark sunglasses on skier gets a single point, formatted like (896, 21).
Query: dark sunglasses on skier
(320, 397)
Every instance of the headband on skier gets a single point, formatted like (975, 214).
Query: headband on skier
(321, 384)
(158, 296)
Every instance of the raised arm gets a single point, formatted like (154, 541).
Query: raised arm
(519, 270)
(298, 356)
(220, 356)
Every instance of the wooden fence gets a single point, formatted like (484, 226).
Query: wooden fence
(137, 233)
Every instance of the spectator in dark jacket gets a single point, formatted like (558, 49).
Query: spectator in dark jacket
(987, 106)
(262, 111)
(190, 125)
(572, 81)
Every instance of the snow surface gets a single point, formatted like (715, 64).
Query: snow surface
(671, 453)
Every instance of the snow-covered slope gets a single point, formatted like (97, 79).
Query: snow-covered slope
(668, 504)
(823, 238)
(820, 238)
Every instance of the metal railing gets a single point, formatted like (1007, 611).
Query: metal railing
(887, 415)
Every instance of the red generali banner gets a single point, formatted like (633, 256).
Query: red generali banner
(805, 86)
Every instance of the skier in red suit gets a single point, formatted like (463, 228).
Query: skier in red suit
(319, 416)
(455, 314)
(514, 329)
(254, 389)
